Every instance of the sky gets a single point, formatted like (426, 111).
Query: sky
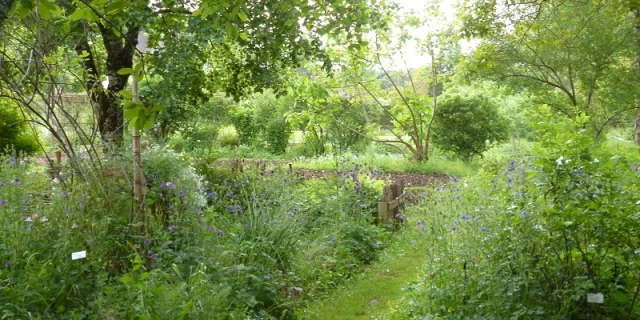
(411, 54)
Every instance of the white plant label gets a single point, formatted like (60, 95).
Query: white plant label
(78, 255)
(595, 298)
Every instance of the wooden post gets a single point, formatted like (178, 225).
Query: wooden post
(58, 156)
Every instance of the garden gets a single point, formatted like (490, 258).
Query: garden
(356, 159)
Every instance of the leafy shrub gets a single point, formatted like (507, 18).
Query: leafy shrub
(465, 121)
(228, 137)
(532, 241)
(244, 120)
(14, 131)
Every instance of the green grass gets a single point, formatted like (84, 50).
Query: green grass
(372, 294)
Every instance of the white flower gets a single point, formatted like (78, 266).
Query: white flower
(595, 160)
(559, 161)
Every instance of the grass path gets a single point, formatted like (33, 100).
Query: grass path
(371, 294)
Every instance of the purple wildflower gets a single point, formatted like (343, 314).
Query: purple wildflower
(483, 229)
(422, 227)
(163, 186)
(64, 194)
(147, 241)
(8, 264)
(290, 214)
(3, 202)
(275, 221)
(172, 227)
(66, 210)
(476, 219)
(28, 219)
(12, 161)
(181, 194)
(458, 197)
(152, 255)
(210, 228)
(170, 206)
(454, 228)
(211, 194)
(509, 179)
(334, 240)
(229, 193)
(465, 217)
(219, 233)
(308, 255)
(524, 213)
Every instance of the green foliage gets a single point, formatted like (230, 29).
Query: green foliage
(259, 121)
(228, 137)
(532, 240)
(15, 132)
(467, 123)
(232, 246)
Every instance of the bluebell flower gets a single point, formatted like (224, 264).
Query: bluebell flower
(210, 228)
(12, 161)
(229, 193)
(172, 227)
(211, 194)
(170, 206)
(244, 181)
(3, 202)
(308, 256)
(147, 241)
(152, 255)
(235, 185)
(483, 229)
(64, 194)
(181, 194)
(275, 221)
(290, 214)
(334, 240)
(456, 190)
(458, 197)
(454, 228)
(163, 186)
(524, 213)
(8, 264)
(509, 179)
(475, 219)
(219, 233)
(465, 217)
(455, 221)
(422, 227)
(66, 210)
(249, 225)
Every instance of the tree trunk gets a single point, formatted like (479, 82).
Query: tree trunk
(120, 51)
(5, 7)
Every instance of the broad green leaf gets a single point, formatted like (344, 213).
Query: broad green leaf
(243, 36)
(149, 122)
(126, 94)
(115, 7)
(48, 9)
(159, 108)
(125, 71)
(84, 54)
(79, 14)
(132, 113)
(243, 16)
(137, 67)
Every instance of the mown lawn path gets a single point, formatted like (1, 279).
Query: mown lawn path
(372, 294)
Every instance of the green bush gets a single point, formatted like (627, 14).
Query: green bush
(467, 123)
(14, 130)
(244, 120)
(532, 240)
(228, 137)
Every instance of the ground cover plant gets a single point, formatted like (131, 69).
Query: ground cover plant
(221, 247)
(531, 238)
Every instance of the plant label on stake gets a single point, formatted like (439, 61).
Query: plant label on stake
(595, 298)
(78, 255)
